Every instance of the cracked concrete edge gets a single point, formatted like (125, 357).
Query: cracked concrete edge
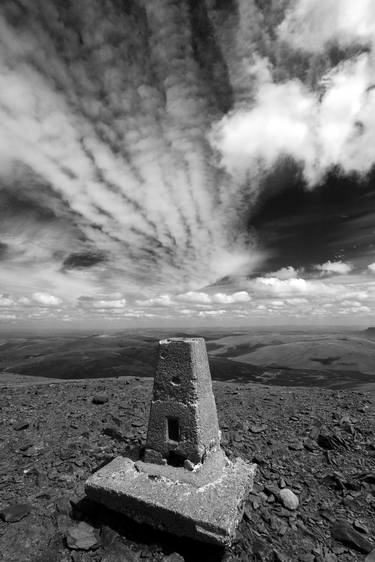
(210, 513)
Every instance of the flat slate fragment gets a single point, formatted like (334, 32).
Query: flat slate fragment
(344, 532)
(15, 512)
(209, 513)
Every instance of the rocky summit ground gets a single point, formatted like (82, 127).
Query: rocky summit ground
(313, 499)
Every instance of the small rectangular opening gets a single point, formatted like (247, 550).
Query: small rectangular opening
(173, 429)
(175, 459)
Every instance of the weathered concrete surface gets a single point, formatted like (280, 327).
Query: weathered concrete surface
(182, 392)
(210, 512)
(202, 474)
(185, 484)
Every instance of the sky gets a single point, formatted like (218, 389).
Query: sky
(185, 162)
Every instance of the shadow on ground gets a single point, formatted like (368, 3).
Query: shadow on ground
(141, 535)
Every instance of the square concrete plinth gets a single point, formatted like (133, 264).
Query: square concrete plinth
(208, 512)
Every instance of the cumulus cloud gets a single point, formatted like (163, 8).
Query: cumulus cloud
(320, 130)
(161, 300)
(205, 313)
(6, 301)
(329, 125)
(287, 272)
(335, 267)
(197, 298)
(45, 299)
(295, 287)
(276, 286)
(371, 267)
(238, 297)
(216, 298)
(120, 303)
(310, 24)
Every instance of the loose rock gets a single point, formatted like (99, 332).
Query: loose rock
(21, 425)
(15, 512)
(370, 557)
(100, 399)
(344, 532)
(174, 557)
(257, 428)
(296, 446)
(310, 445)
(289, 499)
(81, 537)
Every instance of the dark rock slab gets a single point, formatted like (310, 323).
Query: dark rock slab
(15, 512)
(21, 425)
(100, 398)
(344, 532)
(370, 557)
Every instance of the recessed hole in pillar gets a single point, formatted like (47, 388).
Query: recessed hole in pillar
(175, 459)
(173, 429)
(176, 380)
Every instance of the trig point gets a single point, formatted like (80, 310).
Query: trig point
(183, 421)
(184, 484)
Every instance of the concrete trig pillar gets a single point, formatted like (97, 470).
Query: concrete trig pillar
(185, 484)
(183, 424)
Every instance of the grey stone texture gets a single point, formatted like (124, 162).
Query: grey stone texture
(202, 474)
(210, 512)
(183, 394)
(185, 484)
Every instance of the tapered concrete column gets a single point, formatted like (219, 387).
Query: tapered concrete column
(183, 422)
(184, 484)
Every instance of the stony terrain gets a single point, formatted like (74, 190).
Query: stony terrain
(318, 444)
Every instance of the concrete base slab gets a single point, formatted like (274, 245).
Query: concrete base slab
(210, 512)
(209, 471)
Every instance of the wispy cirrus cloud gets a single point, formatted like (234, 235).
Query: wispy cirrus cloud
(113, 136)
(134, 144)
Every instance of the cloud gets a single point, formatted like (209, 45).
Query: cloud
(115, 133)
(276, 125)
(6, 300)
(120, 303)
(135, 138)
(311, 24)
(336, 267)
(205, 313)
(113, 303)
(371, 267)
(8, 316)
(326, 125)
(284, 273)
(295, 287)
(195, 297)
(216, 298)
(334, 126)
(159, 301)
(45, 299)
(238, 297)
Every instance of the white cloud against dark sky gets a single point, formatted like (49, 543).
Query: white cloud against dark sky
(173, 160)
